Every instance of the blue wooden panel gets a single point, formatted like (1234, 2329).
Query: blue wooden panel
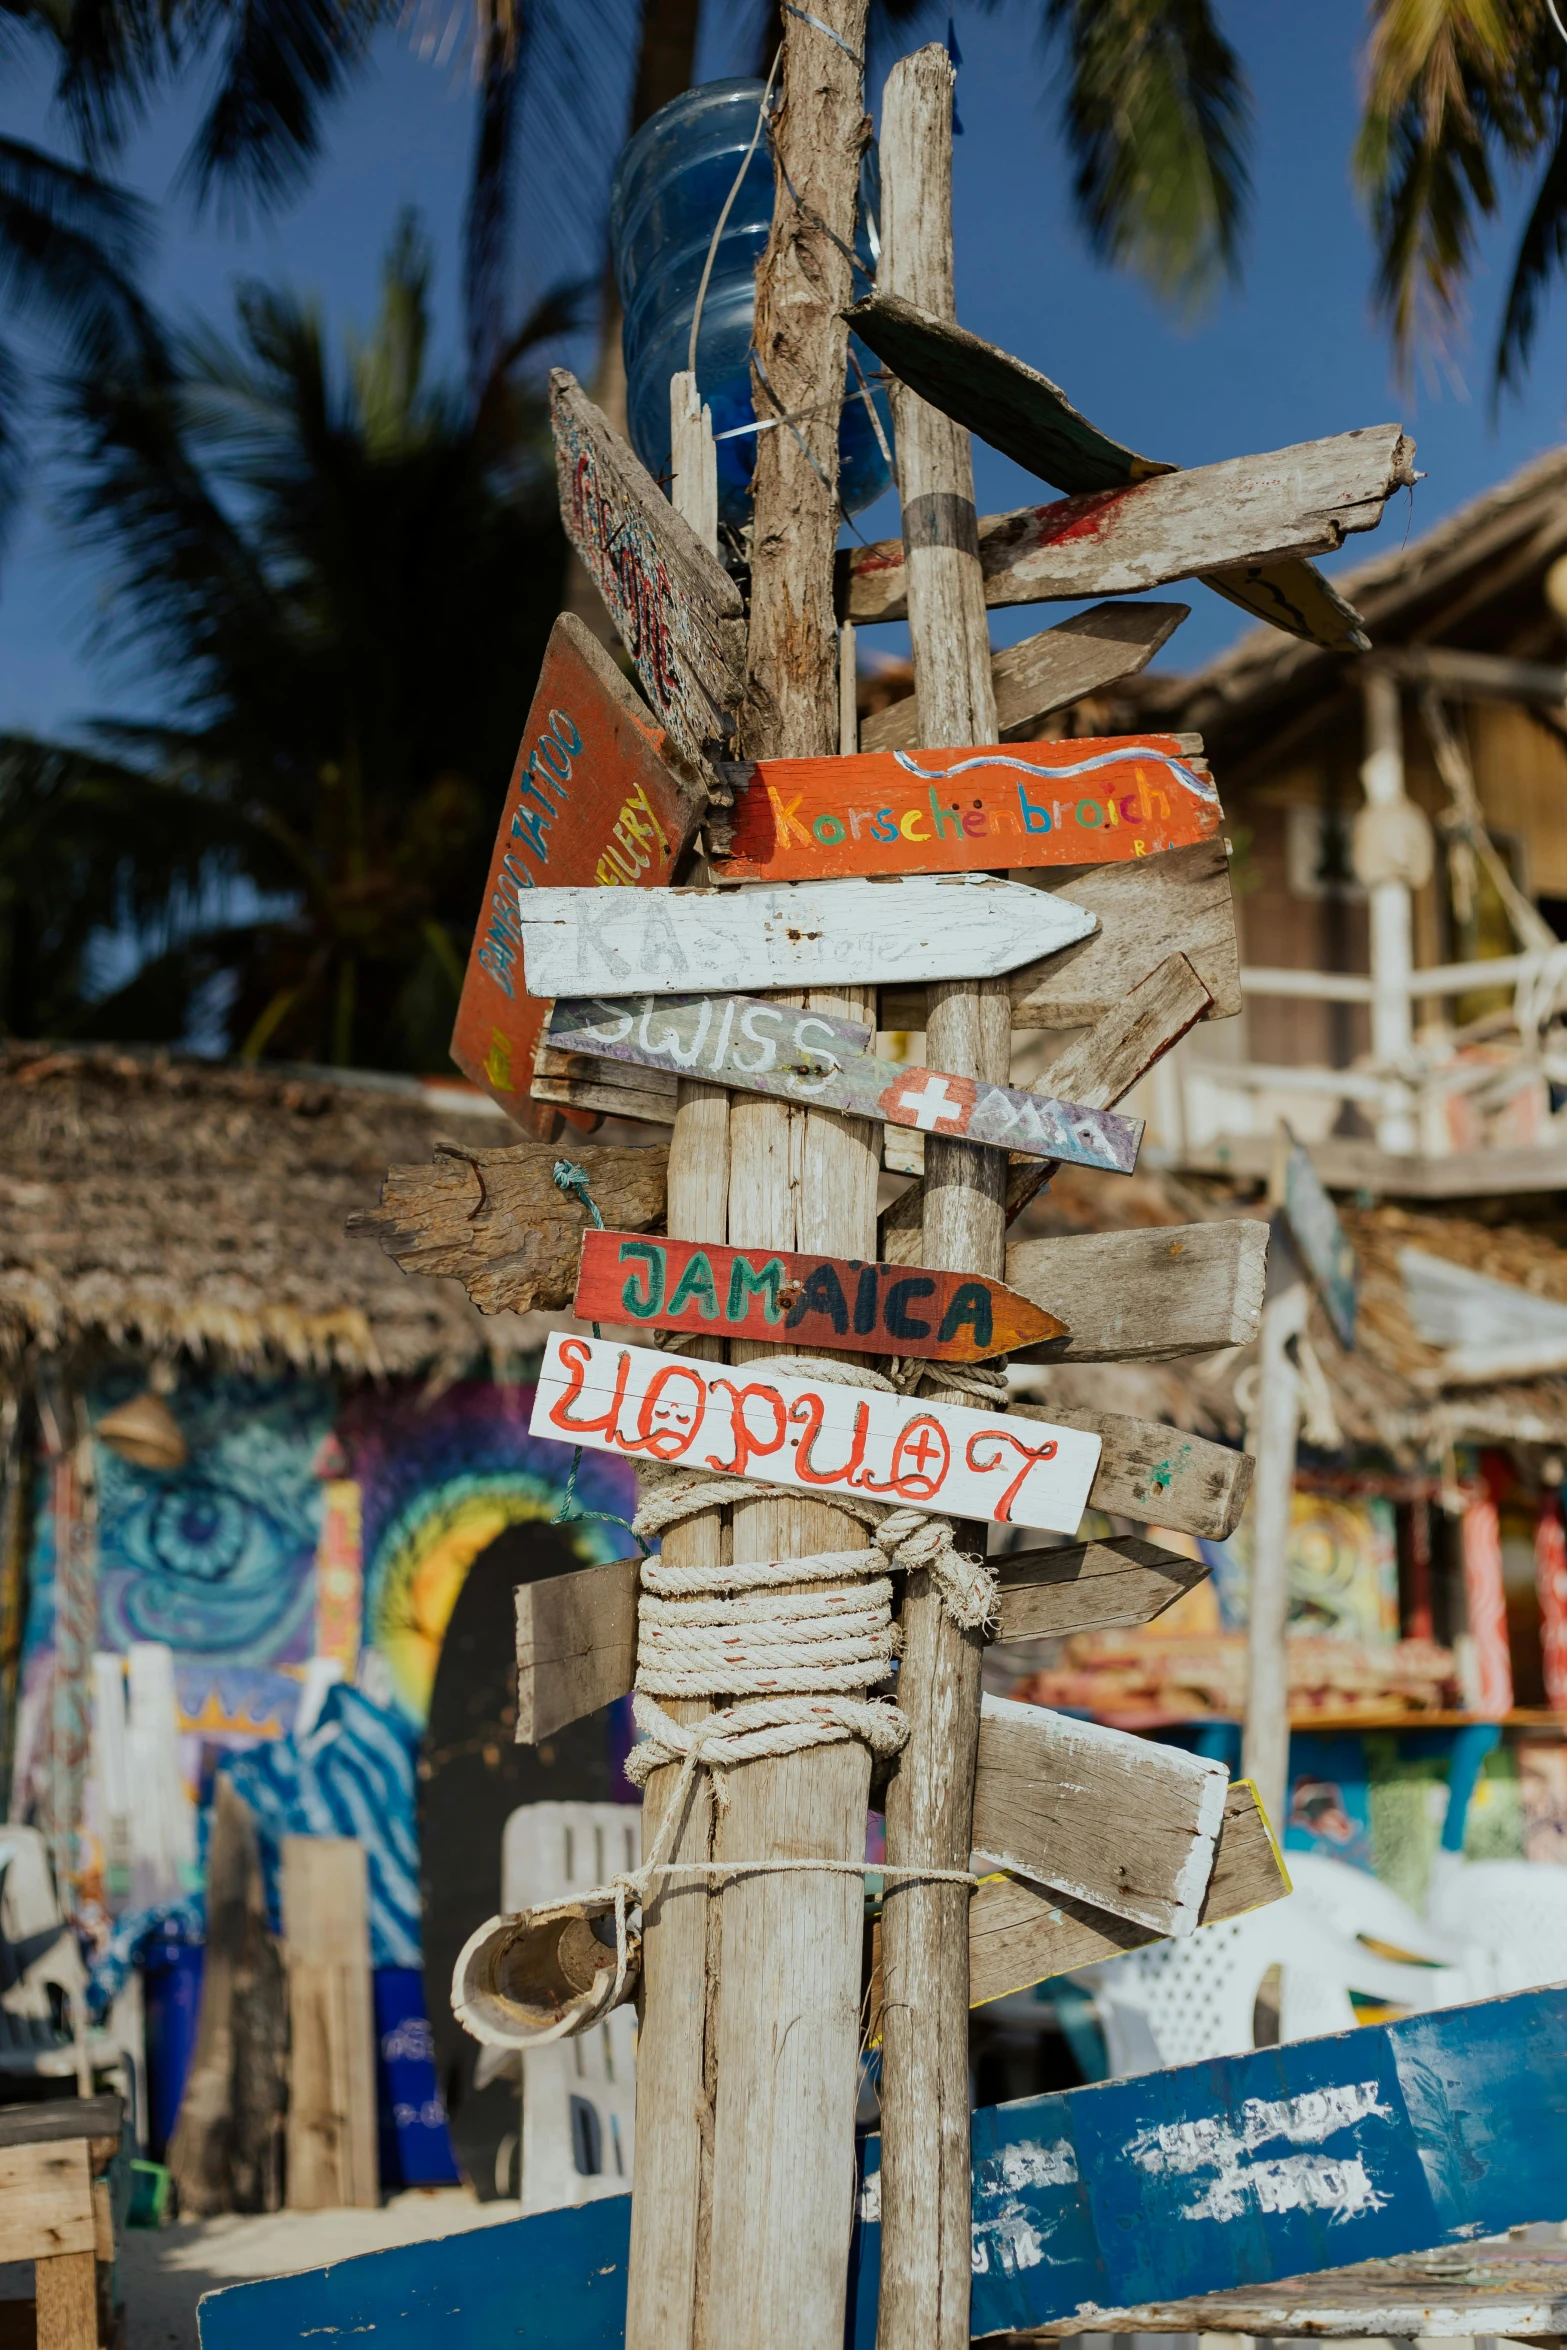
(1394, 2138)
(554, 2282)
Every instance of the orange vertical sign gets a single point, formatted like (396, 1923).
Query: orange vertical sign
(590, 802)
(340, 1581)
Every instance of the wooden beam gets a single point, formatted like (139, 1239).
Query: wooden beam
(678, 612)
(1087, 1586)
(1103, 1815)
(1156, 1474)
(1477, 677)
(924, 2085)
(1177, 904)
(1246, 511)
(66, 2285)
(45, 2200)
(331, 2113)
(497, 1221)
(1049, 672)
(576, 1646)
(1145, 1296)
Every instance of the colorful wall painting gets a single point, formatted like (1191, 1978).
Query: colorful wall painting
(1343, 1569)
(440, 1477)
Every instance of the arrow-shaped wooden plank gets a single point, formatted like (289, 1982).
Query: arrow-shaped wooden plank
(577, 1633)
(590, 800)
(779, 1294)
(679, 614)
(1242, 2170)
(807, 1057)
(787, 1430)
(1107, 1817)
(819, 934)
(1088, 1586)
(1048, 672)
(1229, 517)
(1149, 1296)
(1030, 419)
(1091, 801)
(1157, 1475)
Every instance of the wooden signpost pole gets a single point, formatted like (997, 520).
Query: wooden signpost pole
(674, 2087)
(924, 2079)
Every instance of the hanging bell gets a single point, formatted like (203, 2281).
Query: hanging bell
(542, 1974)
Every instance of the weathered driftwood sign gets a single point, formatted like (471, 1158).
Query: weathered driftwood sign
(1148, 1295)
(590, 800)
(1047, 672)
(826, 934)
(1031, 420)
(1245, 510)
(1086, 802)
(794, 1431)
(679, 614)
(1088, 1586)
(1098, 1813)
(817, 1301)
(499, 1223)
(810, 1058)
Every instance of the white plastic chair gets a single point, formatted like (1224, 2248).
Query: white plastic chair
(578, 2095)
(1508, 1918)
(1180, 2002)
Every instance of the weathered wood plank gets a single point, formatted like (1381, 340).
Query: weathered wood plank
(576, 1646)
(678, 613)
(1095, 800)
(1050, 671)
(331, 2112)
(779, 1294)
(1177, 904)
(1110, 1818)
(1031, 420)
(1087, 1586)
(819, 1062)
(62, 2117)
(1158, 1474)
(66, 2285)
(590, 801)
(1146, 1296)
(1126, 1041)
(497, 1221)
(828, 934)
(45, 2200)
(1325, 1247)
(972, 1464)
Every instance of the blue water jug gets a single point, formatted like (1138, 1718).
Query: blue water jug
(669, 190)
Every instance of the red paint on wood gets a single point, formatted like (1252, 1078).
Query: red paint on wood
(1096, 801)
(782, 1296)
(590, 801)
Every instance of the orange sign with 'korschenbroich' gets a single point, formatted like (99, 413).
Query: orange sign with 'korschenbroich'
(591, 803)
(1090, 802)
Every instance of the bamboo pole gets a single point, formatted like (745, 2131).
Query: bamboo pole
(680, 1924)
(1265, 1743)
(925, 2188)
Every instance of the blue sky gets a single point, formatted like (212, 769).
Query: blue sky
(1294, 353)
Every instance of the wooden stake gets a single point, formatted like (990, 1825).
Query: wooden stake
(1265, 1745)
(925, 2257)
(680, 1924)
(786, 2008)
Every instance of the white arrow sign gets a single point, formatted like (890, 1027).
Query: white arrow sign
(579, 942)
(816, 1435)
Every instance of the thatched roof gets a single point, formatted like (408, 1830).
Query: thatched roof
(159, 1203)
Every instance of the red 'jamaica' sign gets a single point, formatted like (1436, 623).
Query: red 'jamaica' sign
(590, 802)
(820, 1301)
(1012, 804)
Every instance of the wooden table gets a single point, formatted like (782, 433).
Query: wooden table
(1503, 2287)
(55, 2211)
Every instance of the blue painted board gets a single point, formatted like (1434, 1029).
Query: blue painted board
(1393, 2138)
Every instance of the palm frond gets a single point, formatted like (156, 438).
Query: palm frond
(487, 219)
(70, 247)
(1156, 114)
(1453, 87)
(113, 55)
(281, 62)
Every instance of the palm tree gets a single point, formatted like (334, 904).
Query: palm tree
(347, 590)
